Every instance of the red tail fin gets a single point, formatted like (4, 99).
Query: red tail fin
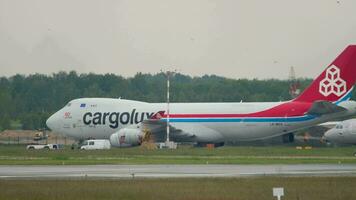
(335, 84)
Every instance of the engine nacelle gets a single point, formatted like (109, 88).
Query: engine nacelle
(126, 137)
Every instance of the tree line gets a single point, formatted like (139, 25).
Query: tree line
(27, 101)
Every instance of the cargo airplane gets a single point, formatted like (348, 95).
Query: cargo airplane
(126, 122)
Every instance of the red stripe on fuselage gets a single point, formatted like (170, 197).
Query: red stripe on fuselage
(289, 109)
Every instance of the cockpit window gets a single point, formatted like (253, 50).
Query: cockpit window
(339, 126)
(69, 104)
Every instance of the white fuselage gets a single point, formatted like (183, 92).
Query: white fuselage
(100, 117)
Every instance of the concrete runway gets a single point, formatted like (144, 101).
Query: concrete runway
(160, 171)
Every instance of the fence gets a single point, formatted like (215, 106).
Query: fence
(30, 140)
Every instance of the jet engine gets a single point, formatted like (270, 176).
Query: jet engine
(126, 137)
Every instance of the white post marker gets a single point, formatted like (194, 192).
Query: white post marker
(278, 192)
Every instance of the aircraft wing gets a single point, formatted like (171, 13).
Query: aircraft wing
(179, 132)
(157, 129)
(324, 107)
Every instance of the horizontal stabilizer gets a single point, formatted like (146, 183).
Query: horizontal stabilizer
(324, 107)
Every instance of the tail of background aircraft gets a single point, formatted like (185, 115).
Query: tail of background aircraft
(335, 84)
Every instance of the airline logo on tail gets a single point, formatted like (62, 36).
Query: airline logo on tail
(332, 83)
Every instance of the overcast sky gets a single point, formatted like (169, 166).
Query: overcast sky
(231, 38)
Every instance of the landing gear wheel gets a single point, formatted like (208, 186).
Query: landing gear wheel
(355, 154)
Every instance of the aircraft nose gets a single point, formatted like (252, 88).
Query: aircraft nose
(52, 121)
(329, 135)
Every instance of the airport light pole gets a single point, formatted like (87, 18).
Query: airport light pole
(168, 74)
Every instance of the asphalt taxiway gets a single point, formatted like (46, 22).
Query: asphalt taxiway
(161, 171)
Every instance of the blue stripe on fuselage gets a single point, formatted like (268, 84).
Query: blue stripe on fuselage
(346, 97)
(246, 119)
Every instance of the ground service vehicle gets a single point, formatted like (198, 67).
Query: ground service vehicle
(96, 144)
(44, 146)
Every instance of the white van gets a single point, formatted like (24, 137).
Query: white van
(95, 144)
